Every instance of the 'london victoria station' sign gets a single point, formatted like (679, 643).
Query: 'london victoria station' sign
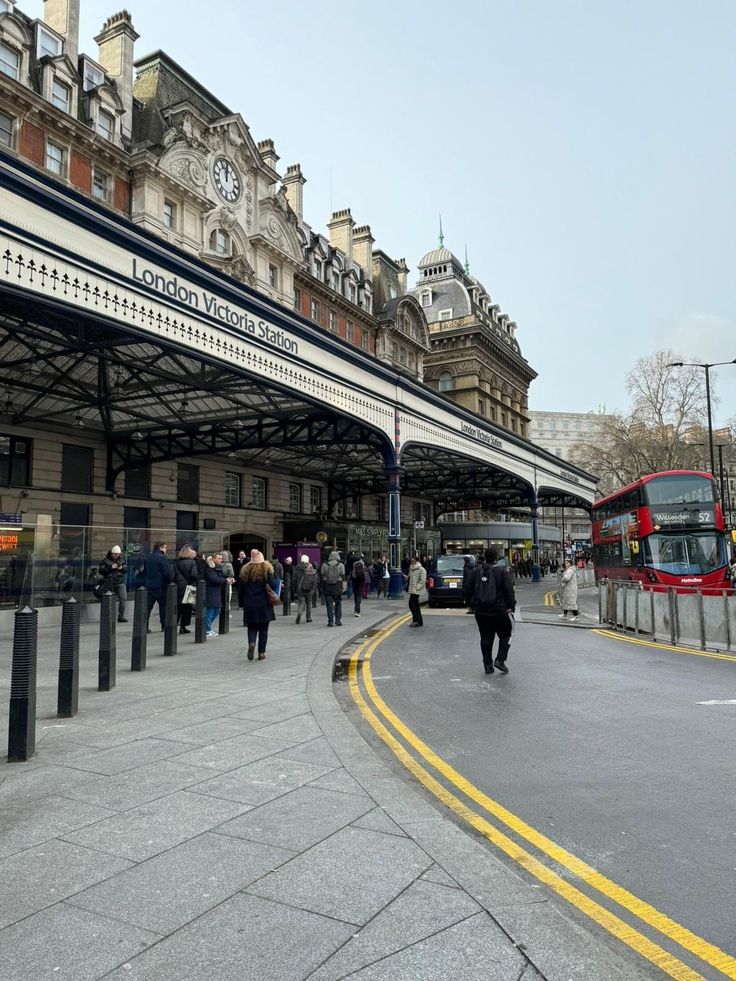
(213, 306)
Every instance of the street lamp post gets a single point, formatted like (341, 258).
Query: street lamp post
(707, 367)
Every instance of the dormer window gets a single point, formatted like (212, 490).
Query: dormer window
(93, 76)
(61, 95)
(9, 61)
(48, 45)
(335, 280)
(445, 314)
(427, 298)
(392, 292)
(351, 292)
(106, 125)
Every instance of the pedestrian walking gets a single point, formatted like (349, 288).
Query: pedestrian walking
(112, 570)
(332, 575)
(415, 587)
(305, 585)
(357, 578)
(258, 613)
(185, 574)
(287, 588)
(158, 575)
(278, 574)
(468, 570)
(569, 592)
(494, 602)
(381, 577)
(215, 578)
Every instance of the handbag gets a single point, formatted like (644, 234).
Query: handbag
(271, 597)
(190, 595)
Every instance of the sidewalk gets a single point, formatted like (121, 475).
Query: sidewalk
(214, 818)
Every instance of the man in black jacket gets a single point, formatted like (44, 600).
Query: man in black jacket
(495, 618)
(159, 574)
(112, 570)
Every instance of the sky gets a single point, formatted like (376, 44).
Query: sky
(584, 151)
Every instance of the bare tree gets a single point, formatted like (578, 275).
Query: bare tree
(667, 404)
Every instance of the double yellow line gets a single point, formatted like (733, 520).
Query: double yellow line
(588, 876)
(550, 599)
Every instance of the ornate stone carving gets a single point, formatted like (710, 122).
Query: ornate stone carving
(190, 171)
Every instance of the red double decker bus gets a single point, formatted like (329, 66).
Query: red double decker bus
(666, 528)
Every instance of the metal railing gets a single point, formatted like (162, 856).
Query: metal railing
(682, 615)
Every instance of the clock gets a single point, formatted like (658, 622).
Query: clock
(226, 179)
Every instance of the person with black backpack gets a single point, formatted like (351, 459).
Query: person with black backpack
(332, 575)
(492, 599)
(357, 577)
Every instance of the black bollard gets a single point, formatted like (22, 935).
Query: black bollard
(200, 628)
(22, 718)
(170, 628)
(68, 698)
(224, 623)
(140, 631)
(107, 657)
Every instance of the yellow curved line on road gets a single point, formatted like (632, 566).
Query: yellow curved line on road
(663, 647)
(674, 931)
(550, 599)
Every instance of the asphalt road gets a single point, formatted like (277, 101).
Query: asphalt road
(599, 744)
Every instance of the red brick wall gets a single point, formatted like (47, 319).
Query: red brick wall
(80, 172)
(32, 145)
(122, 195)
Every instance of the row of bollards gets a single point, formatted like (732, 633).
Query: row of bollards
(22, 717)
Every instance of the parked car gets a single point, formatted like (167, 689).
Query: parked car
(445, 579)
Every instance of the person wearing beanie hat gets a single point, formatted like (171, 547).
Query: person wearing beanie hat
(258, 613)
(112, 573)
(287, 589)
(332, 574)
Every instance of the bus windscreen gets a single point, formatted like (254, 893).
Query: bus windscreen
(679, 489)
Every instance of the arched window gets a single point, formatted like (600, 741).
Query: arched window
(447, 382)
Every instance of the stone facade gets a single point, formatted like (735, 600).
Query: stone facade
(475, 359)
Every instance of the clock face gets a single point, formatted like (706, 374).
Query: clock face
(226, 180)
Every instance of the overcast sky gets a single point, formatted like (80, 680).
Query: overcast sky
(583, 150)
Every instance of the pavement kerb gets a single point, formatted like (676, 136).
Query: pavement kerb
(518, 906)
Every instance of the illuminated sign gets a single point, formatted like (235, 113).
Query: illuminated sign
(8, 543)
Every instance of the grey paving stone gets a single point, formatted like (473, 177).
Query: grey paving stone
(145, 831)
(315, 751)
(341, 781)
(107, 734)
(278, 710)
(261, 781)
(417, 913)
(259, 697)
(474, 950)
(190, 715)
(297, 730)
(33, 781)
(68, 944)
(436, 873)
(37, 878)
(299, 819)
(213, 730)
(244, 939)
(25, 823)
(125, 757)
(131, 788)
(231, 753)
(474, 866)
(563, 951)
(351, 876)
(378, 820)
(171, 889)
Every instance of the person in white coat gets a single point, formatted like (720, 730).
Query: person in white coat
(569, 591)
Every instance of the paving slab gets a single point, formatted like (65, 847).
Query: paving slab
(261, 781)
(244, 939)
(24, 824)
(213, 730)
(339, 780)
(229, 754)
(155, 827)
(378, 820)
(122, 791)
(325, 879)
(296, 730)
(171, 889)
(299, 819)
(277, 710)
(126, 757)
(416, 914)
(41, 876)
(314, 751)
(68, 944)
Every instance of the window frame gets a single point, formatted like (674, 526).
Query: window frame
(73, 468)
(181, 469)
(45, 34)
(445, 314)
(61, 172)
(108, 135)
(16, 54)
(90, 68)
(314, 308)
(233, 489)
(259, 493)
(442, 382)
(332, 321)
(65, 106)
(273, 276)
(106, 184)
(13, 456)
(315, 499)
(169, 217)
(11, 131)
(296, 496)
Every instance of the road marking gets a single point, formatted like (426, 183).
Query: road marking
(550, 599)
(664, 647)
(719, 701)
(681, 935)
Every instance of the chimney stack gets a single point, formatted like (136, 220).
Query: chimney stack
(116, 41)
(363, 249)
(268, 154)
(62, 16)
(294, 182)
(403, 271)
(341, 231)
